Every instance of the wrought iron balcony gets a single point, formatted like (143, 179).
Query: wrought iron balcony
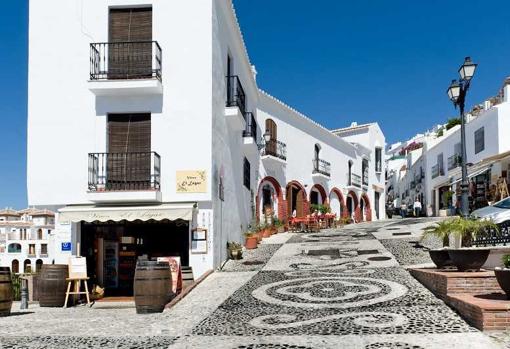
(354, 180)
(235, 94)
(124, 172)
(251, 126)
(276, 149)
(125, 60)
(321, 167)
(454, 161)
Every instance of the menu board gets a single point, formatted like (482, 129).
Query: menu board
(175, 269)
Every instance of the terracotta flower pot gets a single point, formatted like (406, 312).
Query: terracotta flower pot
(251, 242)
(441, 258)
(281, 229)
(469, 259)
(259, 236)
(266, 233)
(503, 277)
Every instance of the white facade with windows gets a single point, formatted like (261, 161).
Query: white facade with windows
(167, 137)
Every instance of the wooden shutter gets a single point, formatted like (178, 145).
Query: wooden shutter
(129, 148)
(300, 203)
(130, 49)
(271, 146)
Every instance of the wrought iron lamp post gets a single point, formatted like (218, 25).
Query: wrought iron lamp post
(457, 94)
(266, 138)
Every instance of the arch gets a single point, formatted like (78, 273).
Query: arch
(38, 265)
(14, 248)
(15, 266)
(322, 192)
(27, 266)
(353, 208)
(39, 234)
(339, 208)
(296, 199)
(269, 193)
(365, 208)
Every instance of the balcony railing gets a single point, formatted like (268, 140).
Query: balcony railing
(235, 94)
(124, 171)
(275, 148)
(454, 161)
(321, 166)
(125, 60)
(355, 180)
(251, 126)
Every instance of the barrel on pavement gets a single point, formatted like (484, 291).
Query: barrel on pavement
(52, 285)
(152, 286)
(6, 291)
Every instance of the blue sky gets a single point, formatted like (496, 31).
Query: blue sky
(336, 61)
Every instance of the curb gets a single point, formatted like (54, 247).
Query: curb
(188, 290)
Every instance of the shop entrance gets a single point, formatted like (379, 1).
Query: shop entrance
(112, 249)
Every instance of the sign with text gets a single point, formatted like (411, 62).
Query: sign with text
(77, 268)
(66, 246)
(175, 269)
(191, 181)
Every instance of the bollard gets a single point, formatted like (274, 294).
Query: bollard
(24, 294)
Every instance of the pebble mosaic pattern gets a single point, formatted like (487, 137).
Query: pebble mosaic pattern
(260, 256)
(272, 346)
(333, 235)
(392, 345)
(407, 252)
(67, 342)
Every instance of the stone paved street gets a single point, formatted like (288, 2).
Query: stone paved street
(344, 288)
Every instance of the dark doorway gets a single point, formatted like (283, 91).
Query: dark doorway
(349, 203)
(314, 198)
(376, 201)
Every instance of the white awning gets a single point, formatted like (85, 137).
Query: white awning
(93, 213)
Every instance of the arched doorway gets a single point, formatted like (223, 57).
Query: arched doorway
(365, 209)
(352, 206)
(15, 266)
(318, 195)
(39, 234)
(269, 195)
(297, 204)
(38, 265)
(337, 204)
(27, 266)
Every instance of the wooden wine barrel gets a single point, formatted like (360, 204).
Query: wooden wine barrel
(152, 286)
(6, 292)
(52, 285)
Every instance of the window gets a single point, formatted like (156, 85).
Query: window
(364, 169)
(31, 250)
(378, 160)
(479, 140)
(14, 248)
(44, 249)
(246, 173)
(440, 164)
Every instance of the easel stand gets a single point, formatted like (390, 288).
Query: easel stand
(77, 287)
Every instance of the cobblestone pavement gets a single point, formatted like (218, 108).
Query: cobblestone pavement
(342, 288)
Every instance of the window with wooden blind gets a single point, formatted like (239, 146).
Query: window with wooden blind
(479, 140)
(129, 151)
(246, 174)
(130, 37)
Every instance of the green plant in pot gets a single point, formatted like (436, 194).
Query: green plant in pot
(468, 258)
(440, 231)
(235, 250)
(503, 275)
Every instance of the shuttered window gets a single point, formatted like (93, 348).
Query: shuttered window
(129, 151)
(479, 140)
(130, 37)
(246, 174)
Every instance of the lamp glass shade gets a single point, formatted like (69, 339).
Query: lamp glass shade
(267, 136)
(454, 91)
(467, 70)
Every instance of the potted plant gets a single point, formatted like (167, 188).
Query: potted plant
(251, 240)
(441, 231)
(468, 258)
(266, 231)
(503, 275)
(235, 250)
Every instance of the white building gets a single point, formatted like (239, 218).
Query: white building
(486, 144)
(26, 239)
(157, 122)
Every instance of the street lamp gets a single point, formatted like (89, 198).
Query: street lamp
(266, 138)
(457, 93)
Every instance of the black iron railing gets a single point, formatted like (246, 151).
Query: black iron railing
(321, 166)
(124, 171)
(251, 126)
(493, 237)
(275, 148)
(125, 60)
(354, 180)
(235, 94)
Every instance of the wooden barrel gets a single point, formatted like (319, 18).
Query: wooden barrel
(6, 292)
(52, 285)
(152, 286)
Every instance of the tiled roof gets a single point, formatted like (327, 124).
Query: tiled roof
(9, 212)
(352, 128)
(46, 213)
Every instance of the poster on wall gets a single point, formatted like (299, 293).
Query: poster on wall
(191, 181)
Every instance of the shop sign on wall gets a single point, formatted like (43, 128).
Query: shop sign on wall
(191, 181)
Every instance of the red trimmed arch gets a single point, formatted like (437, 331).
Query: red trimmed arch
(357, 211)
(321, 190)
(367, 207)
(306, 202)
(282, 213)
(338, 192)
